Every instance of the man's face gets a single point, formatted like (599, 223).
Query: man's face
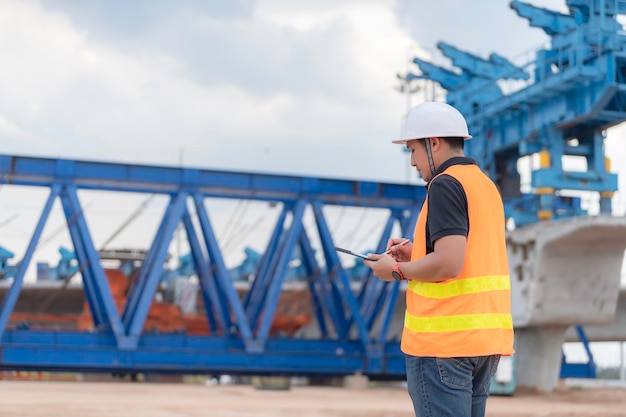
(419, 158)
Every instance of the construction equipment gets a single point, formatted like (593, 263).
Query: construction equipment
(352, 328)
(6, 270)
(571, 93)
(64, 270)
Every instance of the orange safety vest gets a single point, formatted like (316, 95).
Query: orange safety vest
(469, 315)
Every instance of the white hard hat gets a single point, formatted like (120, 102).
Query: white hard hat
(433, 119)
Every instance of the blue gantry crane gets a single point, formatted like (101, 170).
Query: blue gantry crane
(65, 269)
(6, 269)
(570, 94)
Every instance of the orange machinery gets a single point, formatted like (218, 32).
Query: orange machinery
(293, 313)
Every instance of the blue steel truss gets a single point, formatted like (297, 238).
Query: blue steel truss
(353, 324)
(570, 94)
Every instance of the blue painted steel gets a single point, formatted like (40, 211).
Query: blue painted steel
(97, 352)
(6, 270)
(247, 268)
(8, 304)
(212, 303)
(97, 291)
(89, 175)
(65, 269)
(317, 298)
(550, 21)
(225, 284)
(278, 275)
(575, 90)
(142, 294)
(372, 288)
(269, 266)
(579, 370)
(340, 280)
(239, 340)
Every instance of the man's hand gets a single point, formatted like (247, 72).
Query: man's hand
(400, 249)
(381, 265)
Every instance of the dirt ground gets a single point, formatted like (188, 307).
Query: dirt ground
(127, 399)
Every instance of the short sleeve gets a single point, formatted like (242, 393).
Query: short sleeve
(447, 208)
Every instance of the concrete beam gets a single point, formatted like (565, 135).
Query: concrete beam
(615, 331)
(566, 272)
(563, 273)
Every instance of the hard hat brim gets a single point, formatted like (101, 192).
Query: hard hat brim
(404, 141)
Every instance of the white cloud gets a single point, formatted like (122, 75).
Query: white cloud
(11, 131)
(328, 86)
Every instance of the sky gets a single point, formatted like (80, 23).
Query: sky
(258, 86)
(303, 88)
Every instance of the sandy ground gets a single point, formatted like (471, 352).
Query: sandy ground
(127, 399)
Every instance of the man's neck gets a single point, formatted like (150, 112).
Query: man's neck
(447, 156)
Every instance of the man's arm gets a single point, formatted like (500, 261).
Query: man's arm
(446, 261)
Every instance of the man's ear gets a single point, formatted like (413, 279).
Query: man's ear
(435, 143)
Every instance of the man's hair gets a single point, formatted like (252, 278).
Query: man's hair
(456, 144)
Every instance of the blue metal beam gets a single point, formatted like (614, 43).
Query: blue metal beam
(223, 279)
(449, 80)
(550, 21)
(142, 297)
(257, 295)
(22, 170)
(278, 275)
(213, 306)
(8, 304)
(84, 352)
(314, 272)
(497, 67)
(372, 289)
(103, 309)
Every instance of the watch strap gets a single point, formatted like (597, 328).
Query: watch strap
(397, 272)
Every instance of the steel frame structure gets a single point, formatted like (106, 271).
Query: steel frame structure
(572, 91)
(353, 324)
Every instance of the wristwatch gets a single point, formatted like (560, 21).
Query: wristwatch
(397, 273)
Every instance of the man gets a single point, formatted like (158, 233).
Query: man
(458, 315)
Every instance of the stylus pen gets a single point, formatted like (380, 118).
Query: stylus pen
(399, 244)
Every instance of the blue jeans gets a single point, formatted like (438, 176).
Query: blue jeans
(450, 387)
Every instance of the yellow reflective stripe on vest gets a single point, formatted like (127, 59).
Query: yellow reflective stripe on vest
(460, 286)
(455, 323)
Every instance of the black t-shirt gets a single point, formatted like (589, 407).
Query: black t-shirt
(447, 205)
